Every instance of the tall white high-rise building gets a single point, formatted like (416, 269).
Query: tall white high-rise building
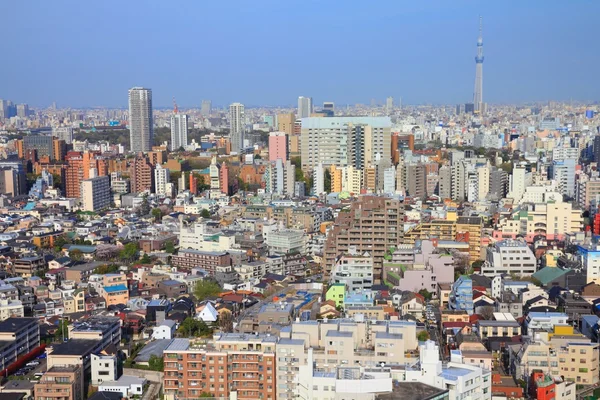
(63, 133)
(206, 108)
(161, 180)
(519, 181)
(141, 123)
(389, 105)
(318, 180)
(179, 129)
(236, 126)
(305, 107)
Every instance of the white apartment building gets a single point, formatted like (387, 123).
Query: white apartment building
(346, 382)
(10, 308)
(509, 257)
(95, 193)
(104, 368)
(286, 241)
(353, 270)
(198, 236)
(340, 343)
(305, 107)
(519, 181)
(161, 180)
(179, 131)
(463, 381)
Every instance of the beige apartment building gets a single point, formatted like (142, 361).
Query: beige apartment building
(61, 383)
(561, 352)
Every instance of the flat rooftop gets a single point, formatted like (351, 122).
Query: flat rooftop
(14, 324)
(75, 347)
(411, 391)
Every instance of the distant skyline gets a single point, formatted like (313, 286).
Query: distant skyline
(269, 52)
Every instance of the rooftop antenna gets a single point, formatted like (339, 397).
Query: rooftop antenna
(175, 109)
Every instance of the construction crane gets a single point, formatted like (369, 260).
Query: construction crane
(175, 109)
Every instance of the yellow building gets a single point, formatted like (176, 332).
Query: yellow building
(336, 179)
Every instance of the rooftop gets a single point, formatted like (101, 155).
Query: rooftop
(16, 324)
(115, 288)
(75, 347)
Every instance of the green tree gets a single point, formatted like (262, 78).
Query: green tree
(129, 252)
(144, 208)
(156, 363)
(170, 247)
(63, 328)
(146, 259)
(327, 181)
(106, 269)
(205, 213)
(156, 214)
(426, 294)
(206, 288)
(422, 336)
(59, 242)
(76, 255)
(191, 327)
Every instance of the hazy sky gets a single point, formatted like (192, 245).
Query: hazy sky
(269, 52)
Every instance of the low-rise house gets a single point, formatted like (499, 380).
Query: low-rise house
(166, 330)
(127, 385)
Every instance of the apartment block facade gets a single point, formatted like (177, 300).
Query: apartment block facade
(371, 224)
(239, 363)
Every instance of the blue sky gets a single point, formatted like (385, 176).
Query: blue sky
(269, 52)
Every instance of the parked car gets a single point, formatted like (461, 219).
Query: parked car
(32, 364)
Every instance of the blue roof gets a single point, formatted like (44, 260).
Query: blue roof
(30, 206)
(115, 288)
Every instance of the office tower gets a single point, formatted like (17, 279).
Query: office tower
(95, 193)
(161, 180)
(374, 224)
(63, 133)
(141, 174)
(285, 123)
(305, 107)
(3, 109)
(478, 92)
(329, 108)
(22, 110)
(179, 131)
(236, 127)
(42, 144)
(206, 108)
(342, 141)
(141, 123)
(278, 146)
(389, 105)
